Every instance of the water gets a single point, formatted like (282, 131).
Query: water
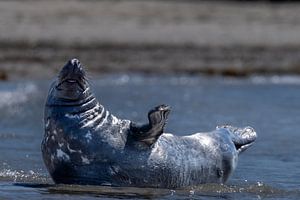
(269, 169)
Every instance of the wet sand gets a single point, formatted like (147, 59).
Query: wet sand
(215, 38)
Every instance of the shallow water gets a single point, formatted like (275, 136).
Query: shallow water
(269, 169)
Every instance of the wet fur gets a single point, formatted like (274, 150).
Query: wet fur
(85, 144)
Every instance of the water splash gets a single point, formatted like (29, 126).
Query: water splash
(19, 94)
(23, 176)
(286, 80)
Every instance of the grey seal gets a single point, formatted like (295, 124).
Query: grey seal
(85, 144)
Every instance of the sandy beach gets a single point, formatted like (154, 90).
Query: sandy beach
(215, 38)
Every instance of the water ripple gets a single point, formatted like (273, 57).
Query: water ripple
(256, 191)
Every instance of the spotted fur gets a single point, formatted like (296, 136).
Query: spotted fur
(85, 144)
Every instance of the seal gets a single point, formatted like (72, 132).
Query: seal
(85, 144)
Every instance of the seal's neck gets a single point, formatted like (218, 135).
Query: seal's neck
(62, 106)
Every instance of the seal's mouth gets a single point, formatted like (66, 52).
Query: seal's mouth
(72, 84)
(243, 147)
(71, 81)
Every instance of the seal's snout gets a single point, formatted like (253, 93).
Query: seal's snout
(75, 62)
(71, 81)
(76, 65)
(72, 69)
(72, 73)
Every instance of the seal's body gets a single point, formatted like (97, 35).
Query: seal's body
(85, 144)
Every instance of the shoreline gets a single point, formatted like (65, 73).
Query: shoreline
(151, 37)
(43, 60)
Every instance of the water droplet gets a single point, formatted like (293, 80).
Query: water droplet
(172, 192)
(259, 184)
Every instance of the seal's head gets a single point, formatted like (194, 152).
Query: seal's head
(71, 84)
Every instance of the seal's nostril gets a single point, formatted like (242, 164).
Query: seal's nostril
(75, 62)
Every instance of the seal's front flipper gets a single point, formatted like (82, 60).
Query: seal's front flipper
(147, 134)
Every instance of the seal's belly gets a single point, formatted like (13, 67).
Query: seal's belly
(183, 161)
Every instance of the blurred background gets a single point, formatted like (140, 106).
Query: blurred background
(235, 38)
